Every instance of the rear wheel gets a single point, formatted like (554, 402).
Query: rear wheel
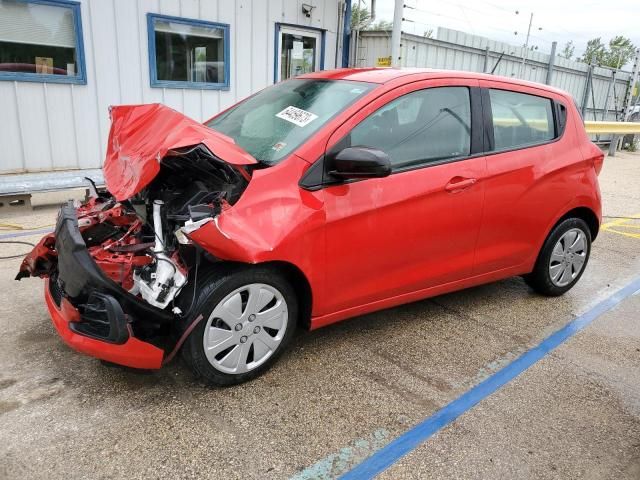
(249, 317)
(563, 258)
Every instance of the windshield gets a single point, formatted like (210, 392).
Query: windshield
(274, 122)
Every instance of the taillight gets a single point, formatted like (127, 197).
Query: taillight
(597, 157)
(598, 160)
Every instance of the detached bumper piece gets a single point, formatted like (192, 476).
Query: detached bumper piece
(92, 313)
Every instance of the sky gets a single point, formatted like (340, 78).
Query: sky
(553, 20)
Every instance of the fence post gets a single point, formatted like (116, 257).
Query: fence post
(587, 90)
(552, 62)
(606, 98)
(486, 60)
(613, 146)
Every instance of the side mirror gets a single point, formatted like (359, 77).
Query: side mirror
(360, 162)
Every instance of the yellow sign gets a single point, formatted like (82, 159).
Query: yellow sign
(384, 62)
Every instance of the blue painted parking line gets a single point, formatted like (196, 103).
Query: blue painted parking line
(405, 443)
(25, 233)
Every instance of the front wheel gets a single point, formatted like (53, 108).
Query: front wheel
(563, 258)
(249, 317)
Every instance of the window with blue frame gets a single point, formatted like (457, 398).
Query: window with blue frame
(41, 41)
(186, 53)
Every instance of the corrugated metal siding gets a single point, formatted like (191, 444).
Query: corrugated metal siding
(456, 50)
(61, 126)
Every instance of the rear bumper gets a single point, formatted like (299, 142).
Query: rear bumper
(132, 353)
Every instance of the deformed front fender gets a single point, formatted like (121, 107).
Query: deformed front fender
(236, 242)
(274, 220)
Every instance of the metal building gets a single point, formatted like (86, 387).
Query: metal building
(62, 63)
(600, 92)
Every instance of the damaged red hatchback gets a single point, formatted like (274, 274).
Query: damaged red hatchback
(320, 198)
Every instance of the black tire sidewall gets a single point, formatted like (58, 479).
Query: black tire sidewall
(209, 295)
(540, 278)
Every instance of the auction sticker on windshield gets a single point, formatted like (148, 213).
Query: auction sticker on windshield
(297, 116)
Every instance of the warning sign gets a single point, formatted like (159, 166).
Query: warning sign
(384, 62)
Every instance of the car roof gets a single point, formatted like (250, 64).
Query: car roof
(383, 75)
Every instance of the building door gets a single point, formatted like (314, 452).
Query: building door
(300, 51)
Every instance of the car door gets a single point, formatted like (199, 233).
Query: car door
(416, 228)
(525, 184)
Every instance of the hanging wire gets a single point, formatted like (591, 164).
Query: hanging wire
(501, 11)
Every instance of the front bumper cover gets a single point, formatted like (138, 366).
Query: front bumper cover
(91, 312)
(132, 353)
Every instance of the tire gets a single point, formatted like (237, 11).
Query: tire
(249, 318)
(563, 258)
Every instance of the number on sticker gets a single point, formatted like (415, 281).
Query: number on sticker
(297, 116)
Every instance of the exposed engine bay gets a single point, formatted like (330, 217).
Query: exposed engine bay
(121, 268)
(142, 243)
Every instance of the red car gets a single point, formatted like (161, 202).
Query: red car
(317, 199)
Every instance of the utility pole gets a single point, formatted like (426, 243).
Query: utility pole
(552, 62)
(526, 46)
(396, 34)
(525, 50)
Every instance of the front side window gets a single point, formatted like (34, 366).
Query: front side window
(419, 128)
(187, 53)
(41, 41)
(520, 119)
(274, 122)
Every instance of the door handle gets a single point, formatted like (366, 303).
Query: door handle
(457, 184)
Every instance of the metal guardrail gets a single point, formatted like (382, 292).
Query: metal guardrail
(619, 128)
(26, 183)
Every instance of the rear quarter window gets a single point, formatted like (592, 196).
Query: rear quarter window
(561, 118)
(520, 119)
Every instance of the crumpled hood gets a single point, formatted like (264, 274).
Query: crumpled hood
(140, 137)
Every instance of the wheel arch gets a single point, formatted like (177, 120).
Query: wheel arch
(296, 278)
(587, 214)
(300, 285)
(584, 213)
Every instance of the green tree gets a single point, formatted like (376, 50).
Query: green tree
(360, 17)
(381, 25)
(619, 53)
(595, 52)
(568, 50)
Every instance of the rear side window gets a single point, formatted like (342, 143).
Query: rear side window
(419, 128)
(561, 117)
(520, 119)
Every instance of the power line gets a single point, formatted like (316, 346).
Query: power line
(502, 10)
